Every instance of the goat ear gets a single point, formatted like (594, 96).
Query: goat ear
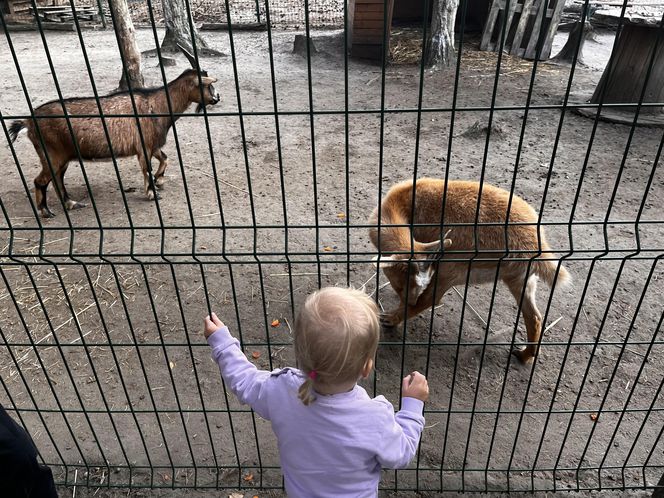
(207, 80)
(384, 261)
(189, 56)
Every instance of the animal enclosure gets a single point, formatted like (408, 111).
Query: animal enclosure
(267, 196)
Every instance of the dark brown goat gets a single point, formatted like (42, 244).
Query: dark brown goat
(124, 135)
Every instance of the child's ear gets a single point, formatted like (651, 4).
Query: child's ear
(368, 366)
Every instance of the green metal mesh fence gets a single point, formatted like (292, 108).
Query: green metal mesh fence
(267, 197)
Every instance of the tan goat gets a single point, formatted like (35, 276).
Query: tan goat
(412, 277)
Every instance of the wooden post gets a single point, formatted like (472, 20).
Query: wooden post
(102, 14)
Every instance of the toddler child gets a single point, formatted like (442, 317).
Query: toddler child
(333, 438)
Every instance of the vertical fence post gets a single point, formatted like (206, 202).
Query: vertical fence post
(102, 14)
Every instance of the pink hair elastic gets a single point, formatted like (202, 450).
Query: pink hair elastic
(313, 374)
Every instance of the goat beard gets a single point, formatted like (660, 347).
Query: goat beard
(199, 108)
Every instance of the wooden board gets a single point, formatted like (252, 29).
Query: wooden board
(526, 26)
(366, 31)
(64, 14)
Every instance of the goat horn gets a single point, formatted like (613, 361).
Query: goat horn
(192, 59)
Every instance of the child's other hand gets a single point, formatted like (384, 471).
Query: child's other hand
(212, 324)
(415, 386)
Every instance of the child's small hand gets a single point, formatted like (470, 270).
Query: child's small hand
(415, 386)
(212, 324)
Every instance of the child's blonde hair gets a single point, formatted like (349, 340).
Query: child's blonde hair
(336, 332)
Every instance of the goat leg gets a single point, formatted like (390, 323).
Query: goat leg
(531, 316)
(390, 319)
(159, 175)
(41, 184)
(69, 203)
(148, 184)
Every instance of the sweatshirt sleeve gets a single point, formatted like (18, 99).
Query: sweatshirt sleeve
(242, 377)
(401, 434)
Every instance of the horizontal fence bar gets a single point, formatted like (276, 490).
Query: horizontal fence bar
(579, 411)
(333, 112)
(631, 254)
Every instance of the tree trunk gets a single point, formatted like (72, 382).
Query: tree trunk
(176, 18)
(124, 30)
(441, 47)
(568, 52)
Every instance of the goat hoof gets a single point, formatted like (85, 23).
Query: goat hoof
(389, 320)
(46, 213)
(152, 195)
(159, 182)
(71, 205)
(523, 355)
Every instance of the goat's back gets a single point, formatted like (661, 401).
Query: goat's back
(89, 130)
(484, 233)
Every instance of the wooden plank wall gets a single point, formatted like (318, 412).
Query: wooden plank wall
(366, 27)
(529, 22)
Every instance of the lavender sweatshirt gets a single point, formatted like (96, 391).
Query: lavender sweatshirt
(336, 446)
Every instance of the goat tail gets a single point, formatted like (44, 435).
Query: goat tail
(551, 271)
(15, 129)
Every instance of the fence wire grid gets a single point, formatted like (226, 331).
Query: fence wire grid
(283, 13)
(267, 198)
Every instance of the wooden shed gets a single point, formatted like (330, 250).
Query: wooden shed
(367, 17)
(366, 22)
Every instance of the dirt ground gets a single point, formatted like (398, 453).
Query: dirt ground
(120, 348)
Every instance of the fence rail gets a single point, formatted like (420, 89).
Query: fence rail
(267, 198)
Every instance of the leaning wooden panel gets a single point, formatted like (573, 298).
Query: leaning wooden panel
(529, 23)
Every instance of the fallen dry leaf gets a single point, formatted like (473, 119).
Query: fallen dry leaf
(593, 416)
(255, 355)
(236, 495)
(275, 322)
(171, 364)
(327, 249)
(249, 477)
(341, 215)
